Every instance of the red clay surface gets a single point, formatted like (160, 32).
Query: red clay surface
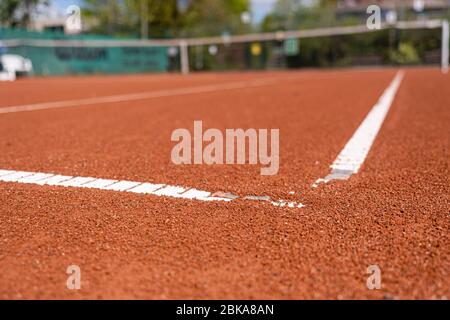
(393, 213)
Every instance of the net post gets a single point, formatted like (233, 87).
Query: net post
(184, 56)
(445, 46)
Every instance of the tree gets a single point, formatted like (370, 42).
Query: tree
(104, 16)
(214, 17)
(146, 18)
(168, 18)
(295, 14)
(18, 12)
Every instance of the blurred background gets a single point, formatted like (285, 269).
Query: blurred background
(129, 36)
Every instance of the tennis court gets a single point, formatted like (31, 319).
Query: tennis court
(277, 236)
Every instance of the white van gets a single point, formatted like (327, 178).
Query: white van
(13, 65)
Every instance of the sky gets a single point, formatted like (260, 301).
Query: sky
(259, 7)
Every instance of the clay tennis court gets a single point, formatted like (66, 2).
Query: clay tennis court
(305, 243)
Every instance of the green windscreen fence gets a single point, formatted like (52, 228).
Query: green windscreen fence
(91, 59)
(406, 43)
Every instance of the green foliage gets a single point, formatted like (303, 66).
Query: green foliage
(382, 47)
(122, 17)
(17, 13)
(164, 19)
(405, 54)
(213, 17)
(295, 14)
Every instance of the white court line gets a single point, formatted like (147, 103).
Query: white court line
(51, 179)
(138, 96)
(355, 151)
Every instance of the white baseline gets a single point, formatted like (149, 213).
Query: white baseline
(355, 151)
(138, 96)
(51, 179)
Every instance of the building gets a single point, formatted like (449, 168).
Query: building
(405, 9)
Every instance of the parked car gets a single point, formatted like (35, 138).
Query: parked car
(13, 65)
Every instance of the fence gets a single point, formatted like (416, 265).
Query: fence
(408, 42)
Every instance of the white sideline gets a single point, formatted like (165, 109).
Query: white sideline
(138, 96)
(355, 151)
(50, 179)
